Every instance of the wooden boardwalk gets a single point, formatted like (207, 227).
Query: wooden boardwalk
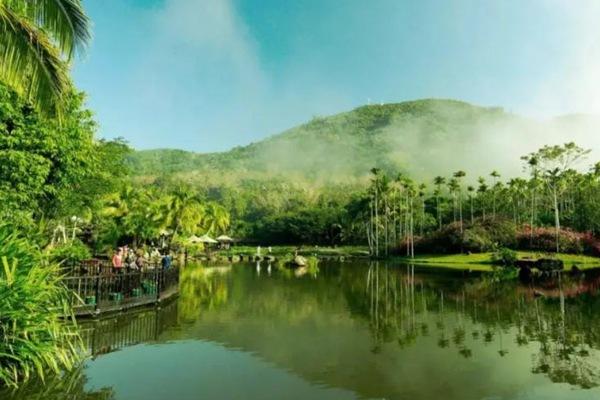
(99, 290)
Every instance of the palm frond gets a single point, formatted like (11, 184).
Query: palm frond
(64, 20)
(30, 63)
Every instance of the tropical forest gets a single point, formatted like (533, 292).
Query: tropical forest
(194, 205)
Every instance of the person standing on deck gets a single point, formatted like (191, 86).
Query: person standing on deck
(140, 261)
(117, 261)
(166, 261)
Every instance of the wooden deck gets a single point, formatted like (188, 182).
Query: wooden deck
(100, 290)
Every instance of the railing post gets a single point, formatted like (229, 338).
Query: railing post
(97, 294)
(158, 281)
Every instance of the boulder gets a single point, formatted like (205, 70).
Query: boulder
(300, 261)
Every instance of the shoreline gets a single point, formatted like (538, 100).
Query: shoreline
(474, 261)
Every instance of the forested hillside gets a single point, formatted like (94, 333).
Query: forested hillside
(423, 138)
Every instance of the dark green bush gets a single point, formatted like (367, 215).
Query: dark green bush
(504, 256)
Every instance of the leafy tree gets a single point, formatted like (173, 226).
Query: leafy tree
(554, 162)
(45, 167)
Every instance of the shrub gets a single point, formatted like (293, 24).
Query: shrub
(68, 253)
(504, 256)
(34, 340)
(544, 239)
(484, 235)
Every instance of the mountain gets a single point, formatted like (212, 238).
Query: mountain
(423, 138)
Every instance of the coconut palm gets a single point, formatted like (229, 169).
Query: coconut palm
(215, 219)
(481, 191)
(38, 39)
(182, 211)
(453, 188)
(495, 175)
(438, 181)
(375, 182)
(422, 188)
(458, 175)
(471, 190)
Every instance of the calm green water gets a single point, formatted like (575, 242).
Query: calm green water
(352, 331)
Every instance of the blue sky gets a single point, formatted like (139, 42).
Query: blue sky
(207, 75)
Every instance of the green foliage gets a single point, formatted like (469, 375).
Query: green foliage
(38, 40)
(408, 136)
(51, 169)
(35, 339)
(70, 252)
(504, 256)
(480, 237)
(312, 265)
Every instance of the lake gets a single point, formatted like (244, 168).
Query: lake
(353, 330)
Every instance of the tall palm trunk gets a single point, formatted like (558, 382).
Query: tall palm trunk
(556, 218)
(422, 217)
(460, 211)
(472, 217)
(532, 224)
(376, 223)
(438, 211)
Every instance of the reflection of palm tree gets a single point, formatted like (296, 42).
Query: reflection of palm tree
(465, 352)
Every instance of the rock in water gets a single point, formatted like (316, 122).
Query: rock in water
(300, 261)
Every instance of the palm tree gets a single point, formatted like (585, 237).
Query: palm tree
(38, 39)
(471, 189)
(495, 175)
(453, 187)
(482, 190)
(376, 172)
(458, 175)
(438, 181)
(422, 188)
(216, 218)
(182, 211)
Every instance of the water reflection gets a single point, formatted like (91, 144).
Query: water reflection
(67, 386)
(401, 307)
(551, 321)
(366, 330)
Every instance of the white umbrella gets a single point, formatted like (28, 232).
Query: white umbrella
(195, 239)
(207, 239)
(224, 238)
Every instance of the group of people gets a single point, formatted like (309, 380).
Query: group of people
(126, 258)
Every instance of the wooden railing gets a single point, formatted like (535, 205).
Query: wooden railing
(100, 289)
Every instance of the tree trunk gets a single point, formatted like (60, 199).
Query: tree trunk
(437, 209)
(472, 218)
(376, 223)
(556, 219)
(460, 214)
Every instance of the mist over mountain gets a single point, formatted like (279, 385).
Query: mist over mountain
(422, 138)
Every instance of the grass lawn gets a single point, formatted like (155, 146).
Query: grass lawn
(483, 261)
(279, 251)
(473, 262)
